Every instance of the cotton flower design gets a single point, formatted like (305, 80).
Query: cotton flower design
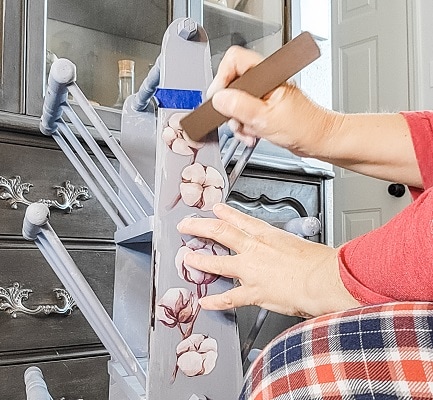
(197, 355)
(201, 186)
(177, 306)
(177, 139)
(195, 397)
(192, 275)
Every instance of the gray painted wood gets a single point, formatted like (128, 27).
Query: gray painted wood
(28, 267)
(186, 65)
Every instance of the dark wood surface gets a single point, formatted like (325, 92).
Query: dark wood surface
(65, 347)
(77, 378)
(45, 167)
(28, 267)
(275, 197)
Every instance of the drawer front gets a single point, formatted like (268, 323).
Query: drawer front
(27, 267)
(74, 379)
(273, 200)
(44, 168)
(274, 197)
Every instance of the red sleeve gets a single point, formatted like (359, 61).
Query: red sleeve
(395, 261)
(421, 128)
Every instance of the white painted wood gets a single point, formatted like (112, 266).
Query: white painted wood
(421, 54)
(370, 74)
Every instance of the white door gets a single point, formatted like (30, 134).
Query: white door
(370, 74)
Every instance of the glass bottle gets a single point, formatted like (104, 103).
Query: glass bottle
(126, 81)
(220, 2)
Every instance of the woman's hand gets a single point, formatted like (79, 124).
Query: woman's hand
(277, 270)
(276, 117)
(377, 145)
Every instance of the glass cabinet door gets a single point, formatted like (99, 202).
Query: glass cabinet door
(256, 24)
(95, 35)
(12, 14)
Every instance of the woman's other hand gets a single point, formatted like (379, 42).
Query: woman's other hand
(277, 270)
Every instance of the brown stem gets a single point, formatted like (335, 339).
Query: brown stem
(173, 376)
(191, 325)
(180, 328)
(174, 202)
(194, 156)
(205, 291)
(188, 332)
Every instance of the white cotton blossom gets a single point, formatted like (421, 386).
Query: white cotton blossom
(197, 355)
(201, 186)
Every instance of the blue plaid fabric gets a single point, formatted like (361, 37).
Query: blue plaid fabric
(382, 352)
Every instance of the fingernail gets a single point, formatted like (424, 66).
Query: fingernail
(213, 88)
(219, 99)
(180, 225)
(234, 125)
(187, 257)
(250, 141)
(218, 207)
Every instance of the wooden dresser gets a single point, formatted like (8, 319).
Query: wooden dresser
(39, 322)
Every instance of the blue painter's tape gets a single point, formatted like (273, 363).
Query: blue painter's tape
(178, 98)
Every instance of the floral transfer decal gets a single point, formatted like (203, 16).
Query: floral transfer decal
(200, 187)
(177, 139)
(197, 353)
(192, 275)
(177, 308)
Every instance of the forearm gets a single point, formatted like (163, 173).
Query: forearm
(377, 145)
(324, 291)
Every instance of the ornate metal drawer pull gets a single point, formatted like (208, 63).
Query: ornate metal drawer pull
(11, 301)
(13, 191)
(263, 201)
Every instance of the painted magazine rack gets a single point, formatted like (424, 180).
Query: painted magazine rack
(163, 346)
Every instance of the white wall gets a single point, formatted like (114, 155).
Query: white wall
(421, 44)
(316, 79)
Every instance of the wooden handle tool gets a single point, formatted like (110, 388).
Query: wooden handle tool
(257, 81)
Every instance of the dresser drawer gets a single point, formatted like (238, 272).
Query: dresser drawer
(73, 379)
(276, 197)
(26, 266)
(45, 167)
